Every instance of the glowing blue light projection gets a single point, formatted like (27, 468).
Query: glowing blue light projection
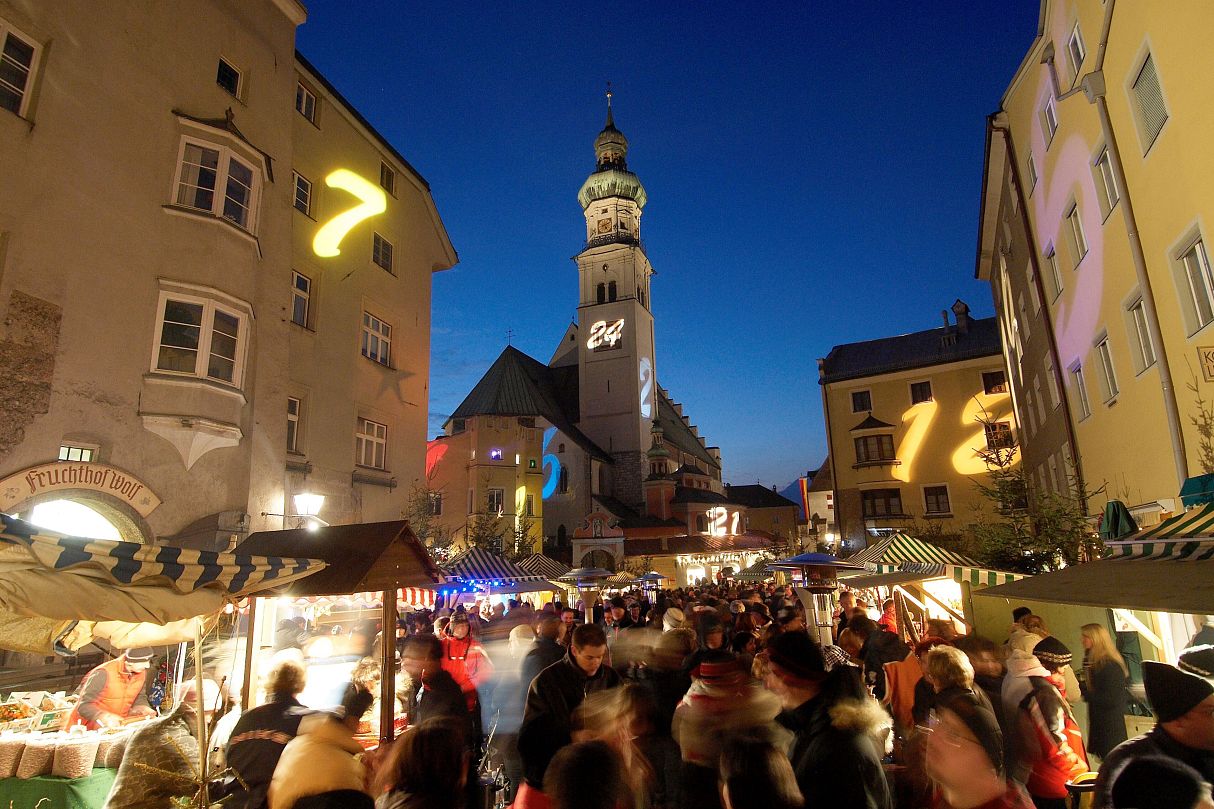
(552, 466)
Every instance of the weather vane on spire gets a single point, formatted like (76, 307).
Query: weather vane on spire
(608, 95)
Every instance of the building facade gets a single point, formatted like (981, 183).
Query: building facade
(1095, 211)
(185, 354)
(909, 420)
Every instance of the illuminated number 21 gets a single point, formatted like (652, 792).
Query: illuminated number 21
(373, 202)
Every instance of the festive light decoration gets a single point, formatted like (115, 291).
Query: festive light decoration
(552, 467)
(645, 376)
(373, 201)
(605, 335)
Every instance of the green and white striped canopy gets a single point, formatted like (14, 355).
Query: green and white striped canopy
(897, 549)
(1196, 524)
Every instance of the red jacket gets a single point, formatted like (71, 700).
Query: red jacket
(465, 660)
(109, 688)
(1052, 739)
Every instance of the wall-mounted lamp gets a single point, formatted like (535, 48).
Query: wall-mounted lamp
(307, 509)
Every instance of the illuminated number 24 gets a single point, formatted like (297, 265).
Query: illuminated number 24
(373, 202)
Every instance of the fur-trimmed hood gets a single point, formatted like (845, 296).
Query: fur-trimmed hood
(860, 716)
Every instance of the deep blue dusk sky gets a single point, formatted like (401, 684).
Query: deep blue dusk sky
(813, 172)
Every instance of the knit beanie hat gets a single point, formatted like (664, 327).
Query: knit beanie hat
(1052, 653)
(1155, 782)
(1198, 660)
(797, 657)
(140, 654)
(979, 719)
(1171, 692)
(673, 618)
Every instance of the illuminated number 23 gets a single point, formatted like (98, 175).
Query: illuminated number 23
(373, 202)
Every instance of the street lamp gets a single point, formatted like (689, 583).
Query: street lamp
(307, 509)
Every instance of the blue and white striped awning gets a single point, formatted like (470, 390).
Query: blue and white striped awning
(26, 546)
(481, 566)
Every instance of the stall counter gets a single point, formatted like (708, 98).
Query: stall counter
(89, 792)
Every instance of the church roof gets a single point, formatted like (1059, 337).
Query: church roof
(676, 432)
(686, 494)
(696, 543)
(757, 497)
(919, 349)
(517, 385)
(631, 518)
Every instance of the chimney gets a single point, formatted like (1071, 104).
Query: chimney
(944, 315)
(962, 313)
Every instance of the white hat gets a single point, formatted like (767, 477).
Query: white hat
(673, 618)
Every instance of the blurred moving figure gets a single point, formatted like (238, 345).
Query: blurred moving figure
(427, 768)
(465, 659)
(1160, 783)
(576, 767)
(320, 764)
(756, 775)
(965, 755)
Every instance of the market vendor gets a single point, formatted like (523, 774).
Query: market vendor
(114, 691)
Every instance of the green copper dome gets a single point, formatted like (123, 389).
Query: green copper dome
(611, 177)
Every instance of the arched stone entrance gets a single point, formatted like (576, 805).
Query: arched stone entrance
(598, 558)
(127, 523)
(115, 496)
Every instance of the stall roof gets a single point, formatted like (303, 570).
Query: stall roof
(1194, 525)
(897, 548)
(1166, 577)
(813, 559)
(863, 582)
(363, 556)
(545, 566)
(756, 572)
(478, 564)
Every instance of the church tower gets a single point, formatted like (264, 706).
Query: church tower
(616, 367)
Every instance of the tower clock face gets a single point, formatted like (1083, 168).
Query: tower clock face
(604, 225)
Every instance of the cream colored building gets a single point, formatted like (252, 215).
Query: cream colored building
(1095, 215)
(187, 343)
(908, 419)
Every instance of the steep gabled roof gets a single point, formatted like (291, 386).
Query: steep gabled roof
(919, 349)
(676, 432)
(517, 385)
(631, 518)
(756, 496)
(686, 494)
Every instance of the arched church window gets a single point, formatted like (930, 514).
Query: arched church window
(601, 293)
(611, 291)
(560, 447)
(563, 482)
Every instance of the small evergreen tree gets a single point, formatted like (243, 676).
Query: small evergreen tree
(487, 532)
(419, 511)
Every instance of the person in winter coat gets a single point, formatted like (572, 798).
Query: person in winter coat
(1104, 688)
(834, 754)
(1160, 783)
(427, 768)
(545, 649)
(114, 691)
(430, 690)
(755, 774)
(710, 634)
(261, 734)
(878, 647)
(322, 759)
(1048, 749)
(1183, 704)
(551, 700)
(465, 659)
(965, 754)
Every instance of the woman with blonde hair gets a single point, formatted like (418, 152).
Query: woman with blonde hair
(1104, 688)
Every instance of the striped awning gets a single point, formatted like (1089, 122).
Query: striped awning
(405, 596)
(756, 572)
(891, 552)
(621, 579)
(1195, 524)
(545, 566)
(482, 566)
(26, 546)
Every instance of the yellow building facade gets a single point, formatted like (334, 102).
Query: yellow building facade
(1096, 214)
(908, 420)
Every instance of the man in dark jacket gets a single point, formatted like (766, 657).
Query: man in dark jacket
(554, 695)
(258, 739)
(879, 647)
(431, 691)
(1183, 704)
(545, 650)
(836, 762)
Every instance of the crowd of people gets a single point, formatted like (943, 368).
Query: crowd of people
(726, 696)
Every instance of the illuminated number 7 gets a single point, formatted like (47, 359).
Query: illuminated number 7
(374, 202)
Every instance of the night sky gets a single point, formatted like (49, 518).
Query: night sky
(813, 172)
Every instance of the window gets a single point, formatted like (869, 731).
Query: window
(497, 499)
(1038, 400)
(994, 382)
(471, 501)
(77, 452)
(1079, 243)
(1053, 467)
(999, 435)
(305, 102)
(1105, 181)
(611, 290)
(1034, 296)
(228, 77)
(17, 62)
(874, 449)
(861, 400)
(301, 298)
(381, 252)
(495, 454)
(531, 464)
(436, 504)
(1049, 119)
(1140, 336)
(1201, 287)
(387, 178)
(1148, 98)
(199, 338)
(562, 484)
(303, 194)
(377, 339)
(1024, 316)
(371, 444)
(1032, 170)
(1051, 378)
(1108, 376)
(529, 507)
(1053, 273)
(877, 503)
(935, 500)
(1075, 51)
(920, 392)
(294, 411)
(601, 293)
(204, 170)
(1081, 391)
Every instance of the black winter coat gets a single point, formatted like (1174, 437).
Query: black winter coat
(880, 648)
(1154, 744)
(256, 744)
(836, 765)
(1108, 703)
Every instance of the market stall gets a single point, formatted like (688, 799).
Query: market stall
(757, 572)
(58, 594)
(552, 570)
(493, 578)
(383, 558)
(816, 574)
